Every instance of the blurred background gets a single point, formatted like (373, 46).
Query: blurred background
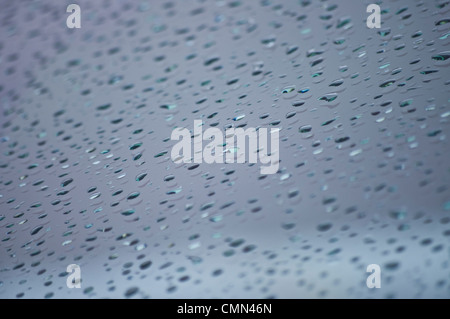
(86, 176)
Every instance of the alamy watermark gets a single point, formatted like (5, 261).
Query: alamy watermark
(374, 279)
(74, 19)
(374, 19)
(219, 147)
(74, 278)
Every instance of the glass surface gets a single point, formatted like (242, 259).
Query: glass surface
(87, 177)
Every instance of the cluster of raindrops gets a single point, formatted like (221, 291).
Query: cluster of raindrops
(86, 175)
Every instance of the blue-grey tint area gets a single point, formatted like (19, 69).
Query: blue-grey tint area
(86, 175)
